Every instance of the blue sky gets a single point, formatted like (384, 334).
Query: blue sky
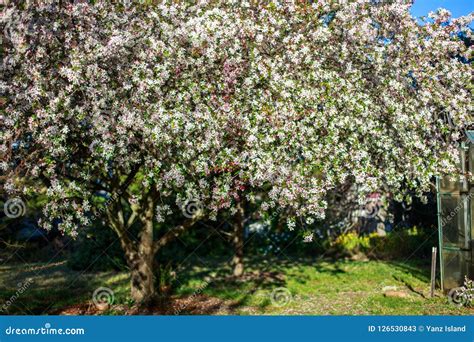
(456, 7)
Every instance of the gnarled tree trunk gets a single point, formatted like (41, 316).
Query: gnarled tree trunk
(140, 254)
(238, 241)
(141, 264)
(141, 278)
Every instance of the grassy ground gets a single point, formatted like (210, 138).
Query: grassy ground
(270, 286)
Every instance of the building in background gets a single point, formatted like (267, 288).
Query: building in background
(456, 220)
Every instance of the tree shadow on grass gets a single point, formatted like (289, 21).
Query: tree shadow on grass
(44, 290)
(206, 289)
(262, 276)
(419, 270)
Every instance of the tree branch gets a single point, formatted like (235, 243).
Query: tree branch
(174, 233)
(125, 241)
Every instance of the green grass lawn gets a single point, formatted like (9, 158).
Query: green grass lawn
(307, 287)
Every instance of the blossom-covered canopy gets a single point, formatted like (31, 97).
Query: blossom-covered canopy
(215, 100)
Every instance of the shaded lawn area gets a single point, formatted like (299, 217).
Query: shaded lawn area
(305, 287)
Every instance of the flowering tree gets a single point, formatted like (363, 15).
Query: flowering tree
(155, 116)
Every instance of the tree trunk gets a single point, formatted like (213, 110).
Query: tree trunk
(142, 280)
(140, 254)
(238, 241)
(141, 264)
